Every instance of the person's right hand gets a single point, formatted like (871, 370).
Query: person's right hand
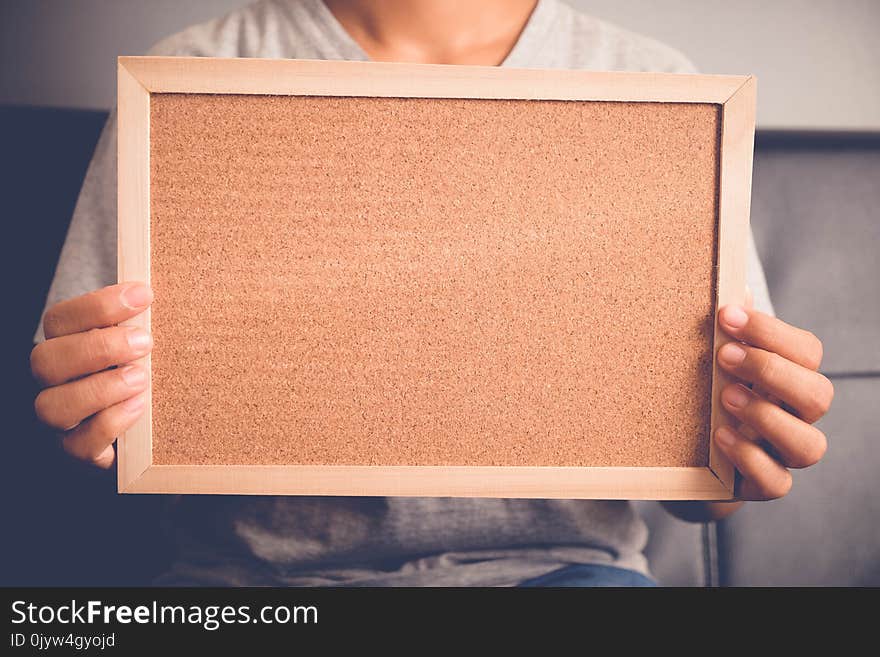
(92, 389)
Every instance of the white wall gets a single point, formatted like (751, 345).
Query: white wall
(818, 61)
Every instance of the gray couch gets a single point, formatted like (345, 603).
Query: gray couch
(817, 226)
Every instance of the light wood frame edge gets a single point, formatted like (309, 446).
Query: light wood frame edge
(140, 76)
(135, 446)
(434, 481)
(734, 201)
(344, 78)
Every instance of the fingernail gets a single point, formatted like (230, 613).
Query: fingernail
(735, 317)
(138, 339)
(136, 403)
(133, 376)
(137, 296)
(732, 354)
(724, 437)
(736, 396)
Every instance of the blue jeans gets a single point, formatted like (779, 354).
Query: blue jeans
(590, 574)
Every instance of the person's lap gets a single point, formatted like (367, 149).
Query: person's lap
(590, 575)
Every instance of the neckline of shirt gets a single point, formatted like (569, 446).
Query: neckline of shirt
(531, 38)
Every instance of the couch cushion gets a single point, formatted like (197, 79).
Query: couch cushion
(816, 224)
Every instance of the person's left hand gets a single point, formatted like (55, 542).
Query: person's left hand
(776, 414)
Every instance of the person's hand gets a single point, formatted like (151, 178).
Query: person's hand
(776, 414)
(92, 389)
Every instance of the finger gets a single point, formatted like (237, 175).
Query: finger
(798, 444)
(772, 334)
(71, 356)
(65, 406)
(745, 429)
(92, 440)
(763, 478)
(806, 391)
(758, 389)
(748, 432)
(98, 309)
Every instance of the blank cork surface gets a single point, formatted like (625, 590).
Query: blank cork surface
(390, 281)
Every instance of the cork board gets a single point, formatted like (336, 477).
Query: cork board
(431, 284)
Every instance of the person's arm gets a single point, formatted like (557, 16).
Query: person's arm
(780, 396)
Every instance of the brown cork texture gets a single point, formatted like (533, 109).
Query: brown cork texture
(390, 281)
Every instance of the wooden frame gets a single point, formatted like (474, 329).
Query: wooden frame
(139, 77)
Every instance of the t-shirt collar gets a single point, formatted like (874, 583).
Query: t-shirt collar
(532, 37)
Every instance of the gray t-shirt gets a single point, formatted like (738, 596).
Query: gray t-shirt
(373, 541)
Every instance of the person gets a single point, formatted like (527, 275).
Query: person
(93, 391)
